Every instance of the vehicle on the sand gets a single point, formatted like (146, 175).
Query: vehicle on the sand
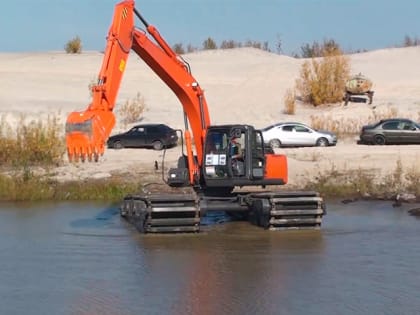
(358, 85)
(293, 134)
(391, 131)
(156, 136)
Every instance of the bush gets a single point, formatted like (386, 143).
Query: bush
(209, 43)
(289, 102)
(132, 110)
(322, 80)
(34, 143)
(74, 46)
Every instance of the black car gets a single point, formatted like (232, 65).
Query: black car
(391, 131)
(156, 136)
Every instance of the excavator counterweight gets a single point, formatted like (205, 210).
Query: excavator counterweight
(218, 159)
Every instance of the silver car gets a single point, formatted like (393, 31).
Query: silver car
(292, 134)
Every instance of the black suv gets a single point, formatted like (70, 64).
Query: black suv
(391, 131)
(156, 136)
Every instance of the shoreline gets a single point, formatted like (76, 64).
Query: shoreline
(49, 185)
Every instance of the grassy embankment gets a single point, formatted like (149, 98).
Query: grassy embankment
(29, 154)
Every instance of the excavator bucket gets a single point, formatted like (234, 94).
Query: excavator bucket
(86, 134)
(88, 131)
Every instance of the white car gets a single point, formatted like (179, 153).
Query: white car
(291, 134)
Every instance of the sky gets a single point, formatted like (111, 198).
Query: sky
(47, 25)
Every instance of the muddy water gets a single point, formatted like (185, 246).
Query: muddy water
(71, 258)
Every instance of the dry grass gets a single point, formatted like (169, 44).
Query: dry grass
(132, 110)
(289, 102)
(365, 184)
(33, 143)
(351, 126)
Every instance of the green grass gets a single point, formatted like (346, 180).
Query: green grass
(30, 187)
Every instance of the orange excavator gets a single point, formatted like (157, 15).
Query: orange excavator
(217, 161)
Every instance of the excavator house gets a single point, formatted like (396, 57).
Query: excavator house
(221, 167)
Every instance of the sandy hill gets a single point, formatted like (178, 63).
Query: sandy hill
(241, 86)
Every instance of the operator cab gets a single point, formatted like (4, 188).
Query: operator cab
(233, 156)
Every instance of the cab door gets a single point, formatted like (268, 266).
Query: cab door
(257, 158)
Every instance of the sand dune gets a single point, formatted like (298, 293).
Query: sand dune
(241, 86)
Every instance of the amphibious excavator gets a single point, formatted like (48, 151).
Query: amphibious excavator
(221, 167)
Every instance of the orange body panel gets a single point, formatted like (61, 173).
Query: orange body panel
(276, 167)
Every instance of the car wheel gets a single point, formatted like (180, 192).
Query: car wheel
(157, 145)
(322, 142)
(118, 145)
(275, 143)
(379, 140)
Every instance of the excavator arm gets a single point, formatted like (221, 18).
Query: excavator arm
(87, 131)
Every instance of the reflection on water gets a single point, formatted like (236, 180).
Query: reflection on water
(235, 269)
(71, 258)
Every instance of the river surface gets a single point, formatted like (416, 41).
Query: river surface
(82, 258)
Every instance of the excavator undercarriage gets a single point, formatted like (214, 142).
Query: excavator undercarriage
(272, 210)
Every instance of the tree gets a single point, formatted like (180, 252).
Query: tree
(209, 43)
(316, 49)
(178, 48)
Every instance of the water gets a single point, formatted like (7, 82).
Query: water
(70, 258)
